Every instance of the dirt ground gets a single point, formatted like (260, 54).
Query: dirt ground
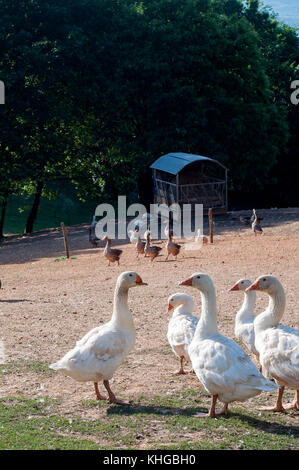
(47, 305)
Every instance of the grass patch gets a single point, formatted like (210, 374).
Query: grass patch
(162, 422)
(26, 366)
(61, 258)
(24, 425)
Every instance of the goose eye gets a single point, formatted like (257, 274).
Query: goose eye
(198, 277)
(131, 275)
(264, 279)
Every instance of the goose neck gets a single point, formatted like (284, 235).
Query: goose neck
(247, 310)
(122, 316)
(207, 324)
(274, 312)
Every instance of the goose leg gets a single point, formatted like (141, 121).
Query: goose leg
(213, 412)
(98, 395)
(181, 370)
(295, 403)
(112, 398)
(278, 406)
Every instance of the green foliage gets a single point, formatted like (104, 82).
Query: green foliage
(96, 90)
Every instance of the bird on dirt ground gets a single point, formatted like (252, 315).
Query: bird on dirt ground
(254, 213)
(101, 351)
(221, 365)
(151, 250)
(140, 245)
(256, 226)
(92, 234)
(181, 326)
(112, 254)
(277, 344)
(172, 248)
(246, 220)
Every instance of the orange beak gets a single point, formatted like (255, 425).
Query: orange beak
(139, 281)
(254, 286)
(187, 282)
(170, 307)
(235, 287)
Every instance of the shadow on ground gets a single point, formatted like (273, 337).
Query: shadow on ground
(50, 244)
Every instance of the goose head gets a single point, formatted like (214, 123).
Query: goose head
(242, 285)
(266, 283)
(178, 299)
(200, 281)
(130, 279)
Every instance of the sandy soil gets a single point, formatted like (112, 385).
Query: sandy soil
(46, 306)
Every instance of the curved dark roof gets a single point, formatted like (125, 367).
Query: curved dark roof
(174, 162)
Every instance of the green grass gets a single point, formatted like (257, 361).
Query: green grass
(162, 422)
(65, 208)
(61, 258)
(26, 366)
(25, 425)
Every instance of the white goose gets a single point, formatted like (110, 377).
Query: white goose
(278, 345)
(101, 351)
(221, 365)
(133, 235)
(244, 329)
(181, 326)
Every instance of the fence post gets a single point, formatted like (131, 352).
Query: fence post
(211, 224)
(66, 244)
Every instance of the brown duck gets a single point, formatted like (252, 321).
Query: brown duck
(112, 254)
(171, 247)
(151, 250)
(256, 226)
(140, 245)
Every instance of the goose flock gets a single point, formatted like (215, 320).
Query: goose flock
(146, 246)
(221, 365)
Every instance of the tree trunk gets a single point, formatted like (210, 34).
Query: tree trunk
(33, 213)
(3, 211)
